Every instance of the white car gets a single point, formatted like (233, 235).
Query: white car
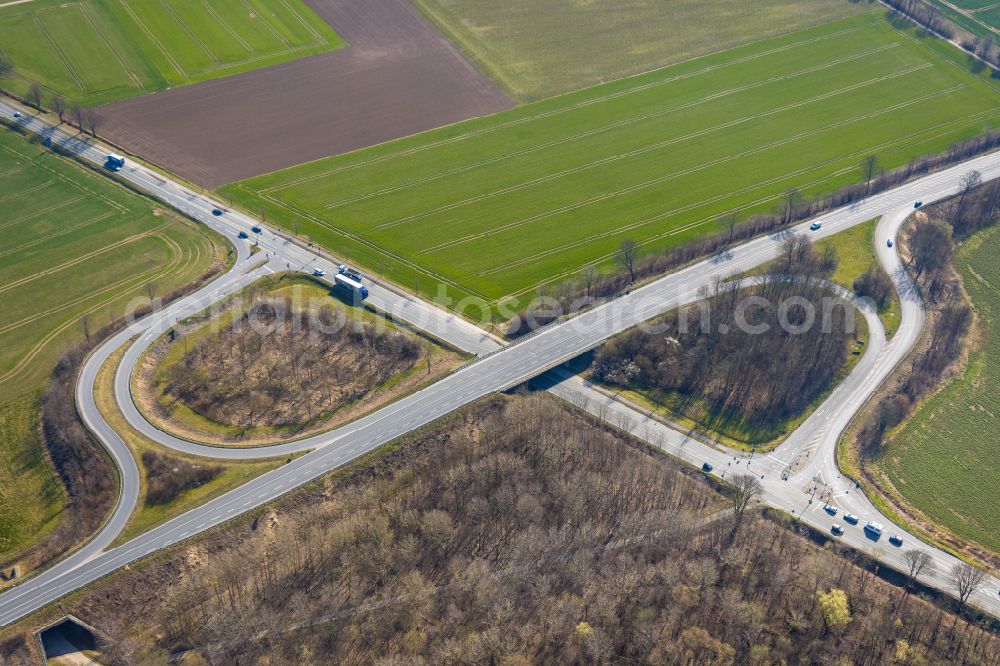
(874, 528)
(851, 518)
(319, 272)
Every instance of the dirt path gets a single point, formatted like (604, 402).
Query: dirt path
(398, 76)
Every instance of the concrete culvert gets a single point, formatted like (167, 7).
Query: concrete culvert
(69, 642)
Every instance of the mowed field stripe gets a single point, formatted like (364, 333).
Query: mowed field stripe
(683, 172)
(56, 234)
(560, 110)
(73, 262)
(43, 211)
(653, 147)
(127, 284)
(529, 203)
(21, 193)
(716, 216)
(604, 128)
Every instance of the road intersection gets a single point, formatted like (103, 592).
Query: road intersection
(497, 369)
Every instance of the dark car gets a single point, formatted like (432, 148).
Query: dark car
(256, 230)
(896, 540)
(707, 467)
(918, 204)
(832, 510)
(244, 234)
(217, 212)
(851, 518)
(837, 530)
(815, 226)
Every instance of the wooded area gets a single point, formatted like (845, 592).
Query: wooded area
(744, 356)
(517, 532)
(167, 477)
(278, 365)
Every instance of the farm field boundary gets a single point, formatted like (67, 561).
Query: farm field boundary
(398, 76)
(496, 208)
(79, 250)
(96, 51)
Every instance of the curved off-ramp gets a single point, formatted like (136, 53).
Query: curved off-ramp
(512, 365)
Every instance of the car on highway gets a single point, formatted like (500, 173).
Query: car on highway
(256, 230)
(243, 234)
(918, 204)
(832, 510)
(874, 528)
(815, 226)
(217, 212)
(851, 518)
(837, 530)
(17, 114)
(319, 272)
(896, 540)
(707, 467)
(888, 243)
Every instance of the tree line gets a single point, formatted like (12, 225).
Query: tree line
(36, 96)
(930, 17)
(168, 476)
(931, 245)
(634, 263)
(714, 359)
(518, 532)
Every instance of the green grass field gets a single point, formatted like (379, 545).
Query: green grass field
(97, 51)
(944, 460)
(856, 250)
(498, 206)
(76, 246)
(538, 48)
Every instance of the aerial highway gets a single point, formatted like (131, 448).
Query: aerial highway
(527, 358)
(800, 476)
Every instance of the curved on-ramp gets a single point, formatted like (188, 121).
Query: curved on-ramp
(512, 365)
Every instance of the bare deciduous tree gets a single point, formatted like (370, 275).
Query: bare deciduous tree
(931, 246)
(588, 275)
(919, 563)
(790, 201)
(970, 181)
(869, 167)
(730, 221)
(966, 579)
(59, 106)
(93, 121)
(78, 114)
(747, 491)
(627, 252)
(35, 95)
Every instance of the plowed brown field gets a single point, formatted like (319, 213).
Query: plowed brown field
(398, 76)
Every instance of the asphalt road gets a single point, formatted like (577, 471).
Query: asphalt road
(801, 476)
(508, 367)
